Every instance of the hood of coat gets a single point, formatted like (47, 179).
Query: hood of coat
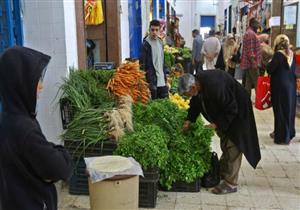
(20, 71)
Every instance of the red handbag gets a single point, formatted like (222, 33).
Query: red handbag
(263, 93)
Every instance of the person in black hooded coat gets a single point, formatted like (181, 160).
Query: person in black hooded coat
(226, 105)
(29, 164)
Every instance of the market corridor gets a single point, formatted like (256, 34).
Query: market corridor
(275, 184)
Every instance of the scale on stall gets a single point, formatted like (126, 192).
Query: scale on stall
(104, 65)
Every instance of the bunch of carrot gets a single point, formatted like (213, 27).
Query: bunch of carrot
(129, 80)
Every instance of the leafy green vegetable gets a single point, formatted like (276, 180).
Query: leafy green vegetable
(89, 126)
(189, 154)
(169, 59)
(148, 145)
(185, 52)
(158, 112)
(87, 89)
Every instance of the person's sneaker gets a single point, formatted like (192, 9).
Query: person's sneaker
(223, 188)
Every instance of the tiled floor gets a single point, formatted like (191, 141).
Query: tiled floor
(275, 184)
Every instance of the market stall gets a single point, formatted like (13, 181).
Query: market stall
(110, 113)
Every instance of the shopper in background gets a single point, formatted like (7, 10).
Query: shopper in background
(152, 62)
(227, 106)
(29, 164)
(236, 37)
(283, 90)
(90, 47)
(197, 62)
(234, 33)
(251, 55)
(211, 49)
(267, 52)
(230, 54)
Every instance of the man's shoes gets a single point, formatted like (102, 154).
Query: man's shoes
(223, 188)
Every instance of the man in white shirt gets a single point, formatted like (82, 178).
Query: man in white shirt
(211, 49)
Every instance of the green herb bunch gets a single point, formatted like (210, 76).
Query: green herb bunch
(147, 145)
(189, 153)
(159, 112)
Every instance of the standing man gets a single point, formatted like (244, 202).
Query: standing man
(211, 49)
(227, 106)
(196, 52)
(251, 55)
(152, 62)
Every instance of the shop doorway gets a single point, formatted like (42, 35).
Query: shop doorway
(207, 22)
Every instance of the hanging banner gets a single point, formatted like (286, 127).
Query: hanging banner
(93, 12)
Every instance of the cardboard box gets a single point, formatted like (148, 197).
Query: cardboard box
(119, 192)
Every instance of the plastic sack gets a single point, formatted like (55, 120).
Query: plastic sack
(263, 93)
(212, 177)
(97, 176)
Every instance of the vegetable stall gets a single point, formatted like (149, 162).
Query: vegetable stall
(110, 112)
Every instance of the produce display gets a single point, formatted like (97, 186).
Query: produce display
(174, 56)
(129, 80)
(169, 60)
(185, 52)
(147, 145)
(171, 50)
(89, 100)
(89, 126)
(179, 101)
(189, 156)
(189, 153)
(119, 119)
(176, 72)
(86, 89)
(149, 131)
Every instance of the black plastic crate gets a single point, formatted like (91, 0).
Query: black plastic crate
(180, 186)
(66, 112)
(148, 193)
(148, 188)
(75, 148)
(150, 174)
(78, 184)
